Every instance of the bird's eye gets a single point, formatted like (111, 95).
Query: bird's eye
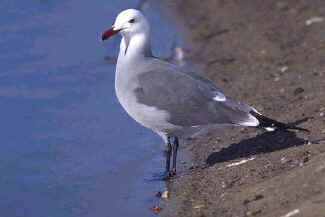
(132, 21)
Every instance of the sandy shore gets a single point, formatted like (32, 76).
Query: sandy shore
(271, 55)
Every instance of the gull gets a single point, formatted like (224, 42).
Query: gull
(170, 101)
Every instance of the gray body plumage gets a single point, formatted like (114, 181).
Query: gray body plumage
(173, 102)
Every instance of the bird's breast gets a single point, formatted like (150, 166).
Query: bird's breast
(148, 116)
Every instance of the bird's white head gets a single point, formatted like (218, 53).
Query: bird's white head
(128, 23)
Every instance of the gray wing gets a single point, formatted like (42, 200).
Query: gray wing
(189, 99)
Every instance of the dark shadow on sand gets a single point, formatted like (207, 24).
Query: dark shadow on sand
(264, 143)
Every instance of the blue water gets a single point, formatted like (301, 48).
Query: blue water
(67, 147)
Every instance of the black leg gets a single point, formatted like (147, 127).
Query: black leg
(175, 148)
(168, 155)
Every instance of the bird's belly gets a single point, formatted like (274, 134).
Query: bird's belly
(148, 116)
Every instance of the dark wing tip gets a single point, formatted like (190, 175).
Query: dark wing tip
(266, 122)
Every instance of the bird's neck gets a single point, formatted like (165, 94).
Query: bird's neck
(134, 47)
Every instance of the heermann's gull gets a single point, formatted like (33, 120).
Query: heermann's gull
(164, 98)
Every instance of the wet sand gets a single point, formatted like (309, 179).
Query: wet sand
(265, 54)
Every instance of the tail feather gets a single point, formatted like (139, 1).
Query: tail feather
(269, 124)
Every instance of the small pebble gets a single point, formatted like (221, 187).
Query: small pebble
(165, 194)
(283, 159)
(318, 73)
(248, 213)
(314, 20)
(306, 159)
(292, 213)
(225, 80)
(258, 197)
(321, 114)
(263, 52)
(283, 69)
(198, 206)
(156, 209)
(282, 5)
(298, 90)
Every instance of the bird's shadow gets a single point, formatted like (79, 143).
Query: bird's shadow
(264, 143)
